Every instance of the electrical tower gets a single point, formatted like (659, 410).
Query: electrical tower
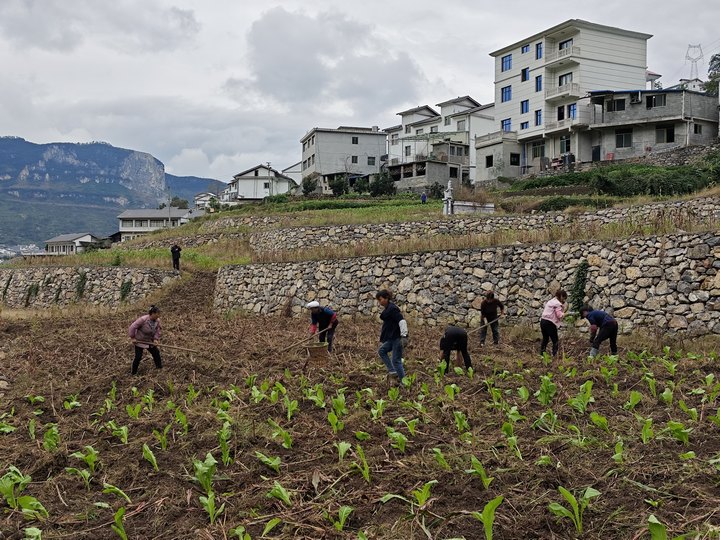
(694, 54)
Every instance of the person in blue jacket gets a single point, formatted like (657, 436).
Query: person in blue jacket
(602, 326)
(323, 322)
(393, 334)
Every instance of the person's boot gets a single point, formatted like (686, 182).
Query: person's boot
(593, 352)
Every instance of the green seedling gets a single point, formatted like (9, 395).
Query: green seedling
(240, 533)
(544, 461)
(451, 391)
(461, 422)
(635, 398)
(121, 432)
(547, 390)
(397, 439)
(181, 419)
(150, 457)
(316, 395)
(342, 448)
(508, 431)
(652, 386)
(658, 531)
(411, 425)
(584, 398)
(335, 423)
(208, 504)
(343, 514)
(191, 395)
(679, 431)
(6, 428)
(421, 496)
(514, 415)
(478, 470)
(667, 396)
(547, 422)
(90, 456)
(149, 399)
(440, 459)
(31, 428)
(83, 474)
(205, 472)
(362, 465)
(133, 411)
(270, 462)
(277, 391)
(257, 395)
(376, 411)
(599, 421)
(162, 437)
(618, 455)
(12, 484)
(118, 527)
(32, 533)
(114, 490)
(394, 393)
(692, 413)
(270, 525)
(280, 433)
(487, 516)
(224, 436)
(524, 393)
(647, 433)
(339, 404)
(51, 438)
(362, 435)
(577, 508)
(280, 493)
(34, 400)
(608, 374)
(71, 402)
(686, 456)
(291, 406)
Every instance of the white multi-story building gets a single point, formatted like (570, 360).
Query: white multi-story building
(542, 86)
(255, 184)
(352, 152)
(431, 146)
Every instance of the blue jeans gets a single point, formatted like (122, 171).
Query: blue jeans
(396, 365)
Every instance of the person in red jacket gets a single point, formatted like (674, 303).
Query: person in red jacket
(145, 334)
(325, 320)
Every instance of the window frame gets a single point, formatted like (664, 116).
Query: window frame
(355, 139)
(489, 160)
(538, 117)
(514, 159)
(538, 83)
(506, 93)
(353, 160)
(506, 63)
(627, 138)
(539, 51)
(525, 106)
(525, 74)
(565, 44)
(525, 48)
(506, 125)
(565, 79)
(524, 125)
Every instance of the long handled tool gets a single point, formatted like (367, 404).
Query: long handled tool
(306, 339)
(167, 346)
(483, 326)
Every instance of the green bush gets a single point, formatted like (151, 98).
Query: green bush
(561, 202)
(274, 199)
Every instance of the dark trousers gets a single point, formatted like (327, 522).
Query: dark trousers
(607, 331)
(549, 332)
(494, 326)
(459, 344)
(176, 264)
(154, 351)
(328, 335)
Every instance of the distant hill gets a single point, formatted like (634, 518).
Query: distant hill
(56, 188)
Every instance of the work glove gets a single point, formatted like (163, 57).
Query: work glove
(404, 341)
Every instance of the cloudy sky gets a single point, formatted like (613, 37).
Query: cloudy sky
(217, 86)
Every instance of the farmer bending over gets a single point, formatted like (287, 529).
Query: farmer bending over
(324, 319)
(145, 333)
(602, 327)
(455, 339)
(393, 335)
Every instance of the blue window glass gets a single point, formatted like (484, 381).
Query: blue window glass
(505, 93)
(538, 83)
(538, 117)
(572, 110)
(524, 106)
(505, 125)
(506, 62)
(538, 50)
(525, 74)
(525, 48)
(524, 125)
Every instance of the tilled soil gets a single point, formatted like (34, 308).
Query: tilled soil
(83, 356)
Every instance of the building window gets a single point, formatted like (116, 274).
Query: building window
(433, 129)
(353, 159)
(447, 120)
(537, 150)
(538, 50)
(453, 172)
(525, 48)
(615, 105)
(407, 129)
(524, 125)
(525, 74)
(665, 134)
(371, 161)
(506, 125)
(312, 140)
(257, 173)
(505, 93)
(506, 62)
(407, 150)
(564, 79)
(419, 131)
(572, 111)
(561, 112)
(565, 144)
(514, 159)
(623, 138)
(538, 117)
(538, 83)
(266, 185)
(525, 106)
(655, 101)
(697, 129)
(452, 150)
(565, 44)
(394, 138)
(304, 165)
(488, 161)
(312, 160)
(355, 140)
(461, 125)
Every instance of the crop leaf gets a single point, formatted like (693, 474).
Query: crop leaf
(280, 493)
(343, 515)
(109, 488)
(422, 495)
(270, 462)
(487, 516)
(118, 527)
(150, 457)
(440, 459)
(478, 470)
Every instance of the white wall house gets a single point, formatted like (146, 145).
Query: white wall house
(134, 223)
(69, 244)
(346, 151)
(541, 92)
(430, 146)
(255, 184)
(202, 200)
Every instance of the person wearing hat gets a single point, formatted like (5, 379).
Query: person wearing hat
(323, 319)
(489, 316)
(455, 339)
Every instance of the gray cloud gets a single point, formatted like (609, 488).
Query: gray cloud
(128, 26)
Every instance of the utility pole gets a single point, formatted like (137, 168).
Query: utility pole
(694, 54)
(270, 177)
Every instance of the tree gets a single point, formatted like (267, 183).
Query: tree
(339, 185)
(177, 202)
(382, 185)
(711, 86)
(309, 185)
(436, 191)
(362, 185)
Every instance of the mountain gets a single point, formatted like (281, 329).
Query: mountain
(57, 188)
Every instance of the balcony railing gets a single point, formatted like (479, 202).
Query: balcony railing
(570, 89)
(554, 56)
(565, 123)
(495, 135)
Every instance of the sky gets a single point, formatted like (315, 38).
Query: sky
(215, 87)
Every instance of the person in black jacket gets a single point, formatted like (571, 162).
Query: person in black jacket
(393, 335)
(455, 339)
(175, 252)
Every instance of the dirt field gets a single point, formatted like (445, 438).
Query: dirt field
(529, 438)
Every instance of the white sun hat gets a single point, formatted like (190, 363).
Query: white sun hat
(312, 304)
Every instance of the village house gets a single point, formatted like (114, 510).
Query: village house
(255, 184)
(70, 244)
(202, 200)
(134, 223)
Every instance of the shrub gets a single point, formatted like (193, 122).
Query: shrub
(382, 185)
(309, 185)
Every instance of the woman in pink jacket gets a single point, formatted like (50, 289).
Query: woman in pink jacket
(550, 320)
(145, 333)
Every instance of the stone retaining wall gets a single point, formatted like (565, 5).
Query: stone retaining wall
(669, 283)
(293, 238)
(61, 286)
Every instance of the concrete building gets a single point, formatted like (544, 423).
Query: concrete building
(202, 200)
(70, 244)
(542, 85)
(134, 223)
(430, 146)
(255, 184)
(346, 151)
